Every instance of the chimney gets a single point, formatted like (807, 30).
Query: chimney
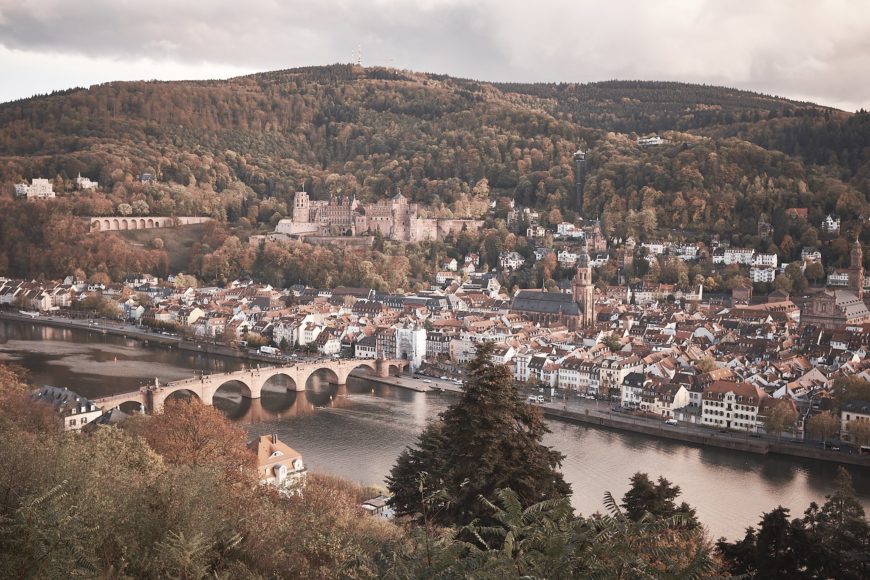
(274, 438)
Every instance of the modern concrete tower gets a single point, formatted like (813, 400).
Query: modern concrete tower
(583, 290)
(579, 178)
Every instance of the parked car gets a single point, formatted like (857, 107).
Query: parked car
(536, 399)
(672, 422)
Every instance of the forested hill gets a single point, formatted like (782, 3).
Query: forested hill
(238, 148)
(647, 107)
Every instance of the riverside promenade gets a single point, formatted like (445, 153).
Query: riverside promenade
(598, 414)
(701, 436)
(147, 336)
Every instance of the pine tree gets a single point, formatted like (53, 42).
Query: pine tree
(842, 535)
(489, 440)
(657, 499)
(828, 542)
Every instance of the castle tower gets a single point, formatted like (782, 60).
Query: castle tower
(856, 269)
(579, 178)
(584, 292)
(301, 208)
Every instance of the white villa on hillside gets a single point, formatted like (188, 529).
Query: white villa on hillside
(38, 189)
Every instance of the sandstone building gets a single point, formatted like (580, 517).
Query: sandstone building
(393, 218)
(575, 310)
(836, 309)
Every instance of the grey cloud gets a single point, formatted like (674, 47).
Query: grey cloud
(804, 49)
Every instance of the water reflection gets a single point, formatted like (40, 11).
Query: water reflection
(95, 364)
(280, 400)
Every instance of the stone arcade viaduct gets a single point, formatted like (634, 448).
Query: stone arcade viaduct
(153, 397)
(114, 224)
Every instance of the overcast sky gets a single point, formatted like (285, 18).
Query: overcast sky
(816, 50)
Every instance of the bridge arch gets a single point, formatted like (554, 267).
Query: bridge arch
(125, 225)
(131, 406)
(115, 224)
(142, 224)
(364, 368)
(96, 226)
(124, 403)
(150, 223)
(280, 381)
(279, 394)
(322, 384)
(332, 376)
(180, 393)
(232, 397)
(134, 225)
(233, 388)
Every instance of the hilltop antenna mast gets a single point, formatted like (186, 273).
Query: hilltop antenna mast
(357, 55)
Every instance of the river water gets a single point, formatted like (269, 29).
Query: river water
(358, 431)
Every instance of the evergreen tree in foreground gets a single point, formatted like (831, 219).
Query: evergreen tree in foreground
(831, 541)
(656, 499)
(489, 440)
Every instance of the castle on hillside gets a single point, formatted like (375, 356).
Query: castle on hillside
(393, 218)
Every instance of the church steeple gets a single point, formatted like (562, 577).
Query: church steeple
(584, 292)
(856, 267)
(856, 256)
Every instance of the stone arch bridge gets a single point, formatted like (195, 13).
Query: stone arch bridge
(153, 397)
(115, 224)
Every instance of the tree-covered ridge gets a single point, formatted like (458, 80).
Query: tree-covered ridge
(654, 106)
(386, 129)
(238, 149)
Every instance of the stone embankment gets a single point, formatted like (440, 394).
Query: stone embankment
(733, 440)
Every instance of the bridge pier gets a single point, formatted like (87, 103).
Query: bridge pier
(382, 368)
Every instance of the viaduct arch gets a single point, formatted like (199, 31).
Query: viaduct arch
(114, 224)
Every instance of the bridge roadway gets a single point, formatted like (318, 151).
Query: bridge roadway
(252, 380)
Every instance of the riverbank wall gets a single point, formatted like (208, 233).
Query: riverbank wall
(400, 382)
(734, 441)
(150, 338)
